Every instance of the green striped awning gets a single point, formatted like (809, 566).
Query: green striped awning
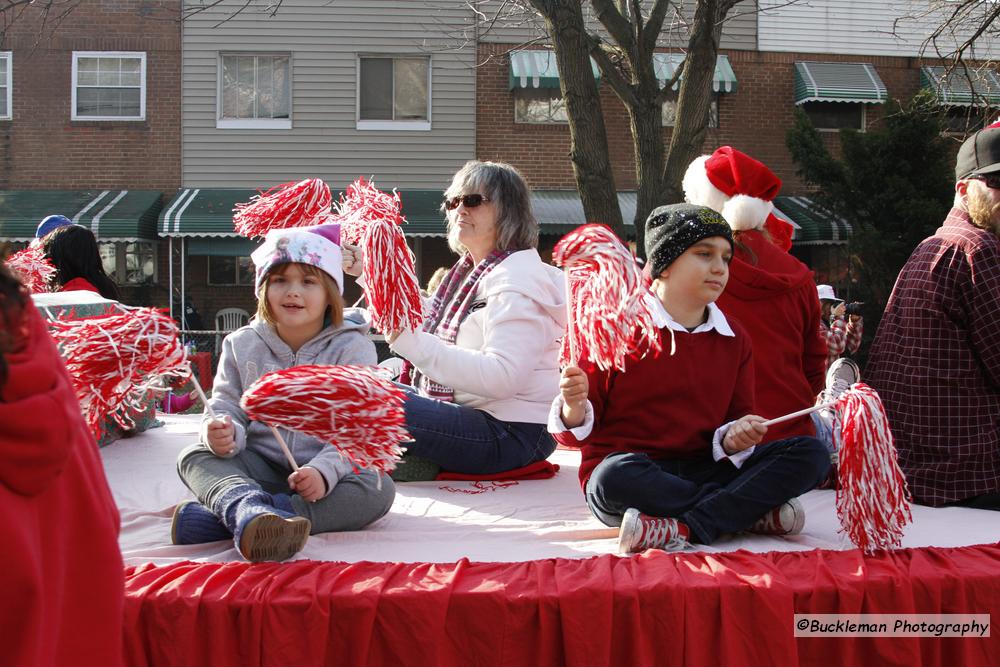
(723, 81)
(961, 87)
(208, 213)
(814, 224)
(113, 215)
(561, 211)
(838, 82)
(537, 69)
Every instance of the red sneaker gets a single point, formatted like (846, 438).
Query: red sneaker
(786, 519)
(640, 532)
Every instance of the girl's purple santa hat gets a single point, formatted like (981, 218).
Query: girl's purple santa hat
(318, 245)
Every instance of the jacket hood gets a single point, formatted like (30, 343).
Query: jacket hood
(524, 272)
(355, 320)
(774, 271)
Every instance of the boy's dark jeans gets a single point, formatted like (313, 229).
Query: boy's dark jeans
(711, 497)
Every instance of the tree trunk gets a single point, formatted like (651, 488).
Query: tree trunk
(650, 153)
(695, 98)
(588, 138)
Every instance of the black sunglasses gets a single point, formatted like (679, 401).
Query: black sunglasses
(470, 201)
(991, 180)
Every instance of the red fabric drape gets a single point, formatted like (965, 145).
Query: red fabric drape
(655, 608)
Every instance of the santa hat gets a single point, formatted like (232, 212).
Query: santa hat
(318, 245)
(734, 184)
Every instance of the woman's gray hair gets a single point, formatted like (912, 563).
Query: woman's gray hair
(517, 228)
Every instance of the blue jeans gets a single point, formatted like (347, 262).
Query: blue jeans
(470, 441)
(710, 497)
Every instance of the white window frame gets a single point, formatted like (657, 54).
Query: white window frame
(110, 54)
(394, 125)
(253, 123)
(9, 57)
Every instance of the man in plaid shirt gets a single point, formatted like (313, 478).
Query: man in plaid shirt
(839, 333)
(935, 360)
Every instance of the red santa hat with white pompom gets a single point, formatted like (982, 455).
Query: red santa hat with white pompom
(739, 187)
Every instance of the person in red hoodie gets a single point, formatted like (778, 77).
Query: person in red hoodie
(73, 250)
(671, 449)
(770, 292)
(61, 574)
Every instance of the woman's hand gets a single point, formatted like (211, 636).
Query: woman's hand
(221, 436)
(573, 388)
(744, 434)
(353, 259)
(308, 483)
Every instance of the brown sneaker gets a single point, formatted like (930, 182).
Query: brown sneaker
(640, 532)
(269, 536)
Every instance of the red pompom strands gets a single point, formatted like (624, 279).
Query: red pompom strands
(113, 360)
(289, 205)
(351, 407)
(390, 279)
(607, 300)
(873, 501)
(371, 219)
(361, 204)
(33, 268)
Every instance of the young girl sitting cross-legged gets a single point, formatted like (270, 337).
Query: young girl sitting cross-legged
(245, 487)
(670, 447)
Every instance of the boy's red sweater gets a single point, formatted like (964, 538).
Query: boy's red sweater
(669, 406)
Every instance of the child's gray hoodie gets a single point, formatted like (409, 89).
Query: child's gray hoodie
(256, 349)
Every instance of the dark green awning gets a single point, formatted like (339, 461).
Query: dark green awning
(815, 225)
(723, 80)
(962, 87)
(838, 82)
(113, 215)
(229, 246)
(537, 69)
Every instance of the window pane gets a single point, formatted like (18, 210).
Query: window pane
(246, 79)
(109, 259)
(3, 67)
(109, 71)
(4, 111)
(376, 89)
(221, 270)
(669, 117)
(963, 120)
(835, 115)
(131, 72)
(88, 101)
(139, 263)
(245, 271)
(265, 88)
(539, 106)
(230, 90)
(282, 101)
(411, 88)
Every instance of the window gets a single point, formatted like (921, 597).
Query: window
(669, 117)
(130, 263)
(230, 270)
(109, 85)
(394, 94)
(255, 91)
(965, 120)
(6, 87)
(836, 115)
(539, 105)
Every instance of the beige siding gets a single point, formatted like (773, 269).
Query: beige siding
(516, 25)
(324, 39)
(862, 27)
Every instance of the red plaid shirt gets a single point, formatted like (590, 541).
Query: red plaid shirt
(840, 336)
(935, 362)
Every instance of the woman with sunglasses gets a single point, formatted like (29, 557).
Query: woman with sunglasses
(484, 368)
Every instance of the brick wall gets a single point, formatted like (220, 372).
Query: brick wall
(41, 148)
(754, 119)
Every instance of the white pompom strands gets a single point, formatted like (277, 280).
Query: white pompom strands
(609, 316)
(350, 407)
(371, 219)
(114, 359)
(33, 268)
(288, 205)
(873, 501)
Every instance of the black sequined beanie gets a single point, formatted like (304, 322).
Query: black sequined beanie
(670, 230)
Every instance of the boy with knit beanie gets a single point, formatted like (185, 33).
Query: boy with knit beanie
(670, 446)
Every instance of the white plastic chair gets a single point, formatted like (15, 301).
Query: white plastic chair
(226, 320)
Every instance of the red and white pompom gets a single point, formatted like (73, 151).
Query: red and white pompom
(113, 360)
(362, 204)
(610, 316)
(33, 268)
(390, 279)
(873, 501)
(288, 205)
(351, 407)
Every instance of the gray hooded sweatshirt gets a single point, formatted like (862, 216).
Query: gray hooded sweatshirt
(256, 349)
